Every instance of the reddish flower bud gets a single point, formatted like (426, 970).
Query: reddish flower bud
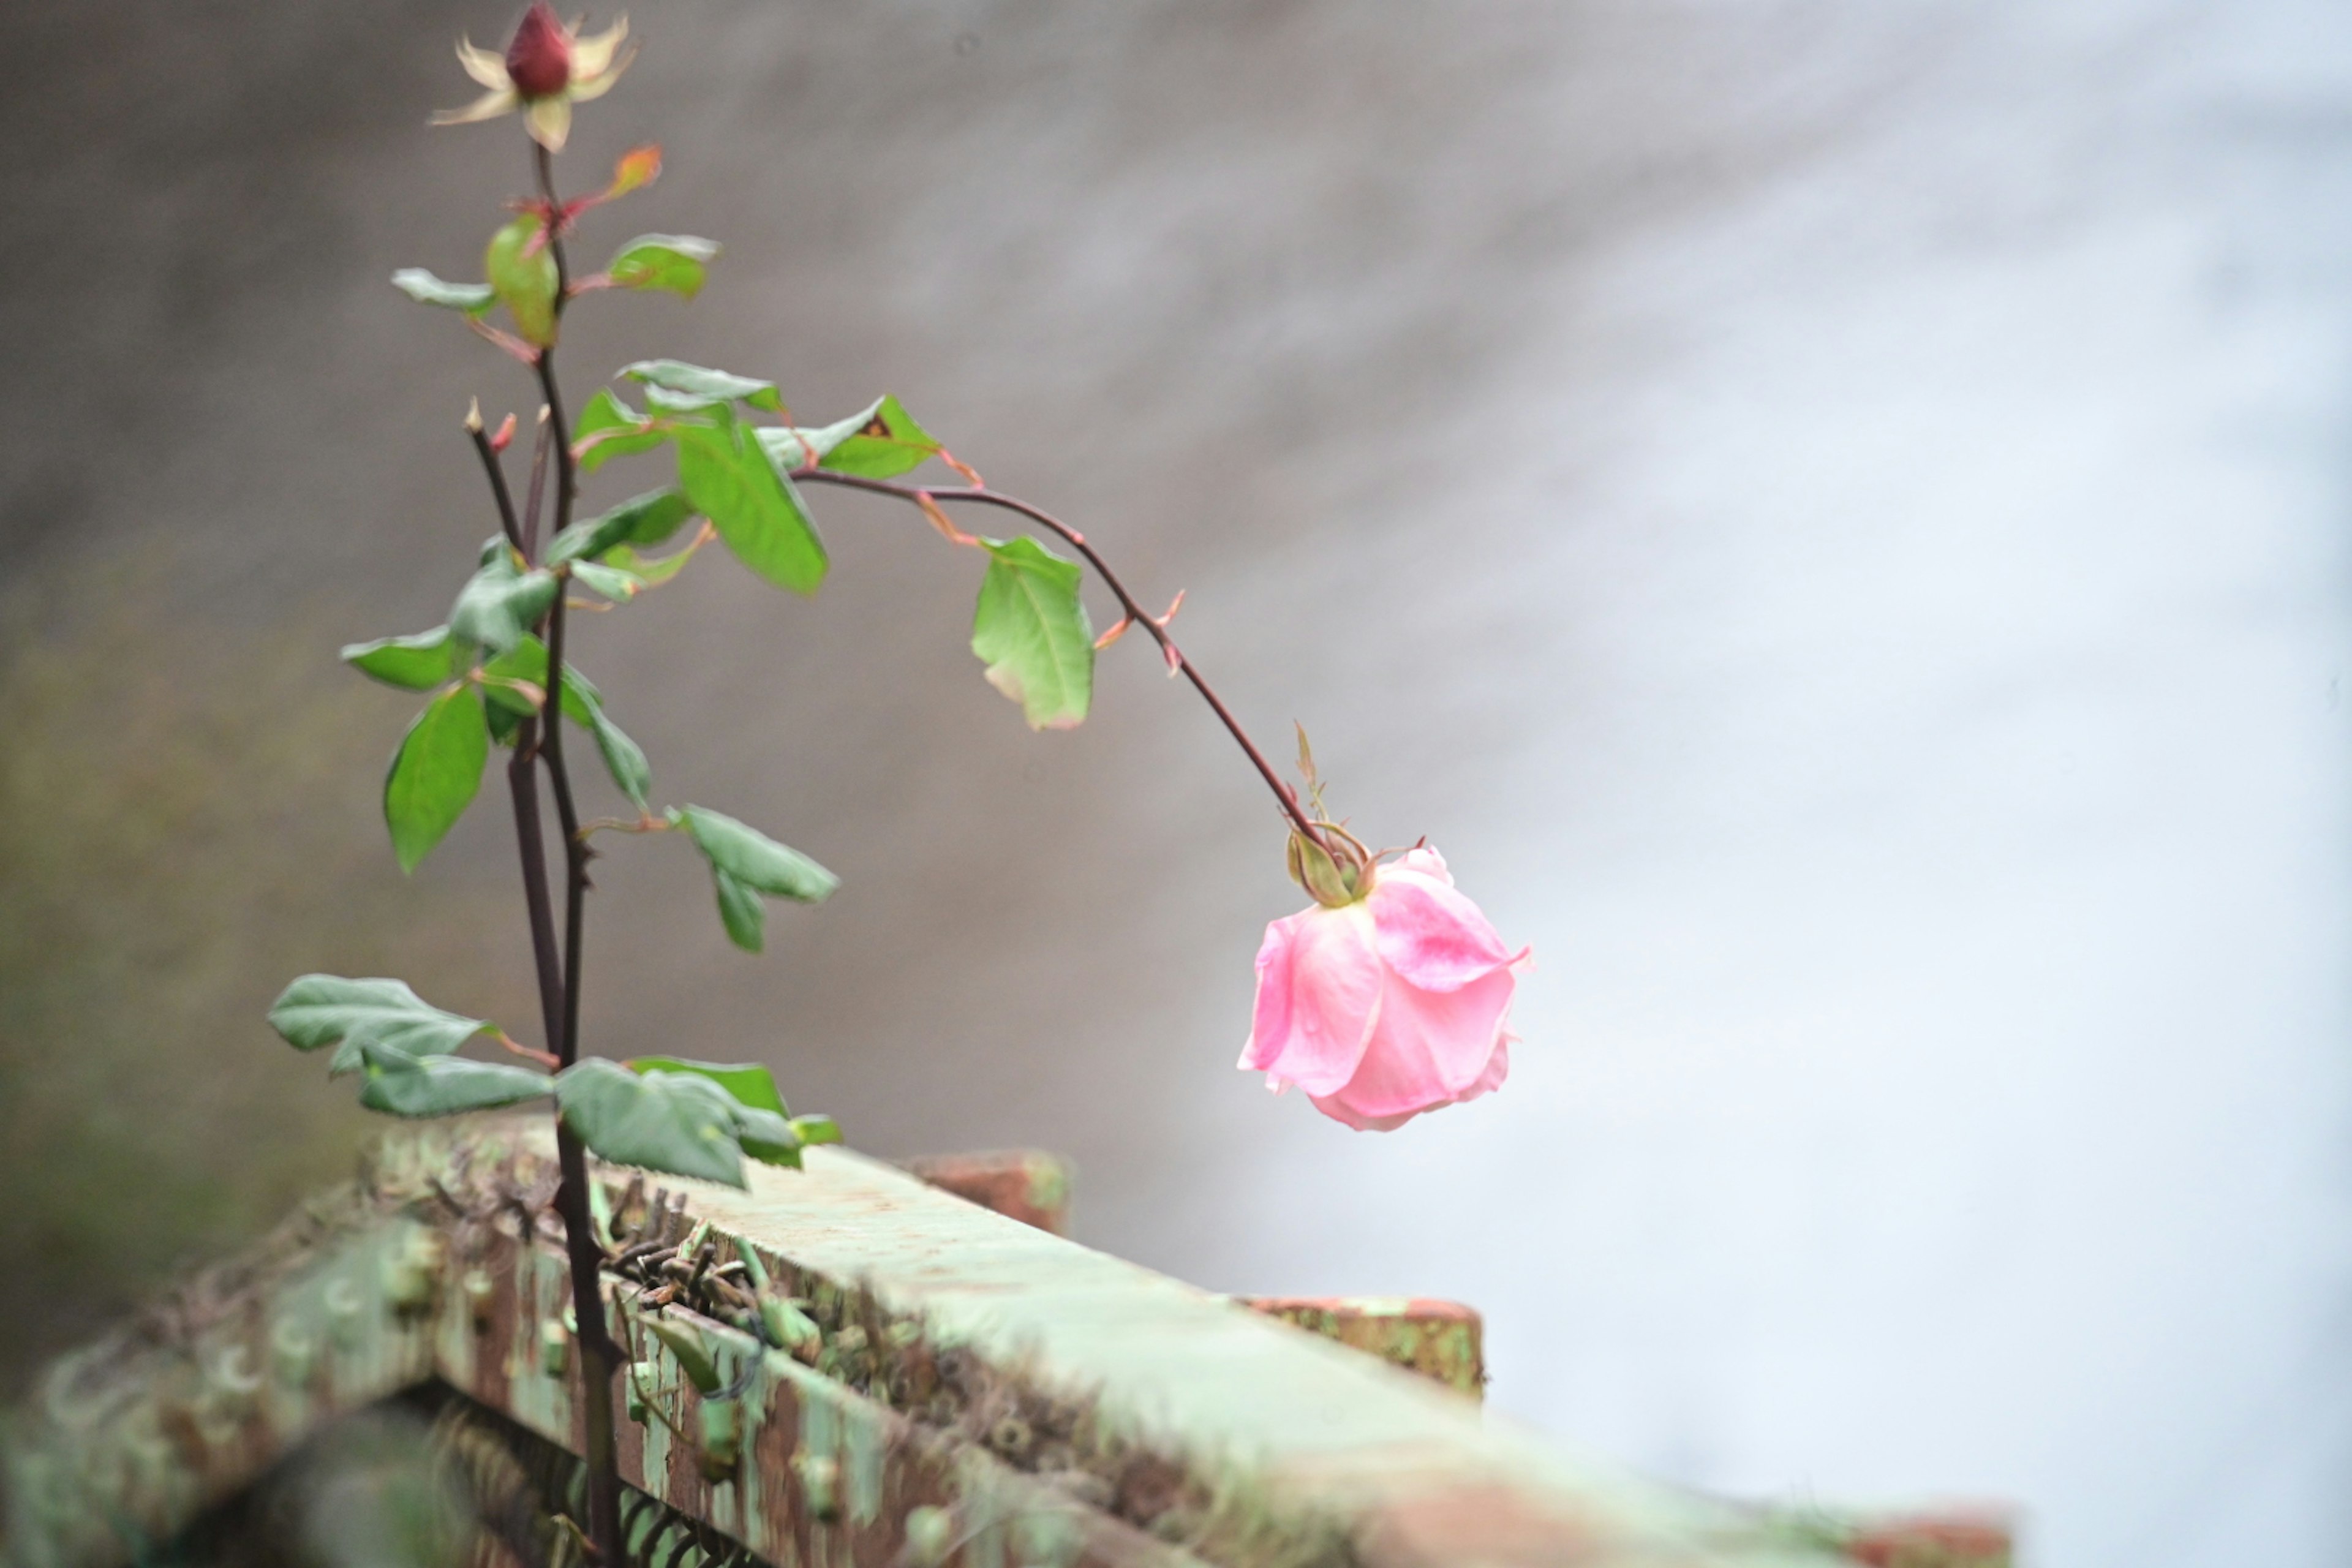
(539, 60)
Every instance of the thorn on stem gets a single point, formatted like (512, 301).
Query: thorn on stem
(941, 520)
(504, 436)
(1115, 632)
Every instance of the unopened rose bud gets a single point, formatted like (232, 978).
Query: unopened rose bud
(539, 60)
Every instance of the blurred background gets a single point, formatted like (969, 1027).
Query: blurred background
(1832, 515)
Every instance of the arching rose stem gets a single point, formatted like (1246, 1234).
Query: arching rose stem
(918, 495)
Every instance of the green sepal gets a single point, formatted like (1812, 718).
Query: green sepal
(606, 411)
(648, 519)
(435, 774)
(500, 603)
(729, 478)
(704, 387)
(521, 273)
(423, 288)
(417, 662)
(674, 262)
(674, 1122)
(401, 1084)
(1030, 629)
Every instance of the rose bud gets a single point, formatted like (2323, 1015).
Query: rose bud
(1385, 1003)
(539, 60)
(547, 68)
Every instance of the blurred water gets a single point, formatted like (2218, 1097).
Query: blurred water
(1830, 515)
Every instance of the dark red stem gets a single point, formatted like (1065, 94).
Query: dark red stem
(1283, 793)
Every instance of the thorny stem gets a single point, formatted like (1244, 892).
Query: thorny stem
(916, 494)
(600, 1358)
(560, 970)
(497, 475)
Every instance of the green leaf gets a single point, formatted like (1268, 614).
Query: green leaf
(605, 412)
(767, 1137)
(623, 758)
(521, 271)
(401, 1084)
(320, 1010)
(649, 572)
(740, 911)
(527, 661)
(886, 443)
(746, 863)
(879, 443)
(583, 704)
(426, 290)
(748, 1083)
(648, 519)
(815, 1130)
(674, 1122)
(615, 584)
(730, 478)
(435, 774)
(754, 859)
(670, 261)
(761, 1121)
(417, 662)
(1031, 630)
(707, 386)
(500, 603)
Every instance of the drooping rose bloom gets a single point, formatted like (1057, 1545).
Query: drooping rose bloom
(1387, 1006)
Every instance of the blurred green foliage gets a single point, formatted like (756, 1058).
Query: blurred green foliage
(187, 815)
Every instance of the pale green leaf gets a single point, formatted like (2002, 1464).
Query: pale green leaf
(500, 603)
(399, 1083)
(754, 859)
(1031, 630)
(435, 774)
(527, 662)
(760, 1119)
(674, 1122)
(426, 290)
(708, 386)
(815, 1130)
(740, 911)
(748, 1082)
(623, 430)
(650, 572)
(646, 520)
(320, 1010)
(623, 758)
(417, 662)
(886, 443)
(674, 262)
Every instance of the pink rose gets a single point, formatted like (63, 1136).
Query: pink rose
(1381, 1008)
